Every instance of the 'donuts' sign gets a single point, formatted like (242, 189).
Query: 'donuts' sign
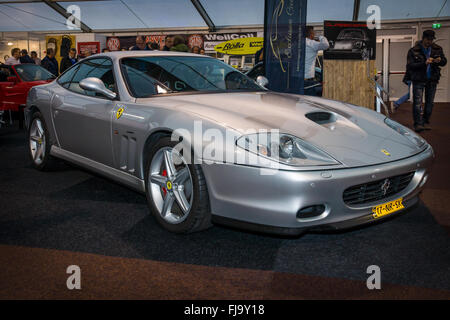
(195, 40)
(113, 43)
(242, 46)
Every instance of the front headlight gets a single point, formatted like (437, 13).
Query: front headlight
(285, 149)
(407, 133)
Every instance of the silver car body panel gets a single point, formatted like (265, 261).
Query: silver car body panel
(85, 130)
(243, 194)
(117, 175)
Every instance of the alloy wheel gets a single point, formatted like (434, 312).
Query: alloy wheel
(171, 185)
(37, 141)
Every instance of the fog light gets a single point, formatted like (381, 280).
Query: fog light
(311, 212)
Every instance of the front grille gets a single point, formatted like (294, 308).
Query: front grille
(378, 190)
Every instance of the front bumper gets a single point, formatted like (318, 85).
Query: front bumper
(270, 203)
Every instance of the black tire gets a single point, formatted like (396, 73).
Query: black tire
(199, 217)
(48, 162)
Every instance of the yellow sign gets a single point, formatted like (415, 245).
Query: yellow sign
(241, 46)
(119, 113)
(60, 44)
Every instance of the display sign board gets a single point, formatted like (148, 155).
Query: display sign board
(195, 40)
(113, 44)
(284, 44)
(205, 41)
(242, 46)
(213, 39)
(350, 40)
(91, 47)
(61, 45)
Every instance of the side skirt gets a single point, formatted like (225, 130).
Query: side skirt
(112, 173)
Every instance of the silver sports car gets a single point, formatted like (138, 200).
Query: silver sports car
(206, 144)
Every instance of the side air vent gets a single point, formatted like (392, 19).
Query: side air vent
(321, 118)
(128, 154)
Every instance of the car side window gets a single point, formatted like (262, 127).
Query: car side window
(99, 68)
(257, 71)
(66, 77)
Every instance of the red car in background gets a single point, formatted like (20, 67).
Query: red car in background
(16, 81)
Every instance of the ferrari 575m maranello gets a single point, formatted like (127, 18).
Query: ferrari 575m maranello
(286, 163)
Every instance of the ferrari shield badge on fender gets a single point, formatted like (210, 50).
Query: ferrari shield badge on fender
(386, 152)
(120, 111)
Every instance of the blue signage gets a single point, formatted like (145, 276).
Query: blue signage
(284, 44)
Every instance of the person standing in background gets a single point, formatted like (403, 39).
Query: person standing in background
(168, 43)
(140, 44)
(195, 50)
(68, 61)
(179, 44)
(24, 57)
(15, 57)
(35, 58)
(312, 50)
(50, 63)
(425, 60)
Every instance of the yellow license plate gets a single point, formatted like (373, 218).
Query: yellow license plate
(387, 208)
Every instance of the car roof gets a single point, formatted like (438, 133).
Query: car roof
(116, 55)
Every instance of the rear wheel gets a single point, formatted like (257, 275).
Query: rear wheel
(39, 143)
(176, 191)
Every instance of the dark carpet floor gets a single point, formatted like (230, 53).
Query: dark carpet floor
(71, 209)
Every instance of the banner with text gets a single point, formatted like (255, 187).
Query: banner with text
(284, 44)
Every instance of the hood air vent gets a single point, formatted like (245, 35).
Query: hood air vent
(321, 118)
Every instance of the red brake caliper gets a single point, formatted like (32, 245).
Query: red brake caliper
(164, 174)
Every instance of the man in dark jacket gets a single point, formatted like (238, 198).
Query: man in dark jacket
(140, 44)
(24, 57)
(50, 63)
(68, 61)
(425, 60)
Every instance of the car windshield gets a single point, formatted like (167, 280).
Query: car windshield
(352, 34)
(32, 72)
(148, 76)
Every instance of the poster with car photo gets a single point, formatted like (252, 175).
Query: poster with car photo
(350, 40)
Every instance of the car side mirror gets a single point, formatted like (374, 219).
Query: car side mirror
(13, 79)
(97, 85)
(262, 81)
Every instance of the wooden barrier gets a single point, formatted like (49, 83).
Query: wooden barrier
(347, 80)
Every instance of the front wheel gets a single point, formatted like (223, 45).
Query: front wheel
(39, 143)
(176, 191)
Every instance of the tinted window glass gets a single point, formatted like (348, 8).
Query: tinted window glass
(67, 76)
(183, 74)
(257, 71)
(98, 68)
(32, 72)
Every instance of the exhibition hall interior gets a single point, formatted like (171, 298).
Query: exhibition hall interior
(217, 150)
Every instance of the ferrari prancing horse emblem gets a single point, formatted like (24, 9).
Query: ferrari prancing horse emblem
(386, 152)
(120, 112)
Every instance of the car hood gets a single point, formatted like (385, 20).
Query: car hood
(354, 136)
